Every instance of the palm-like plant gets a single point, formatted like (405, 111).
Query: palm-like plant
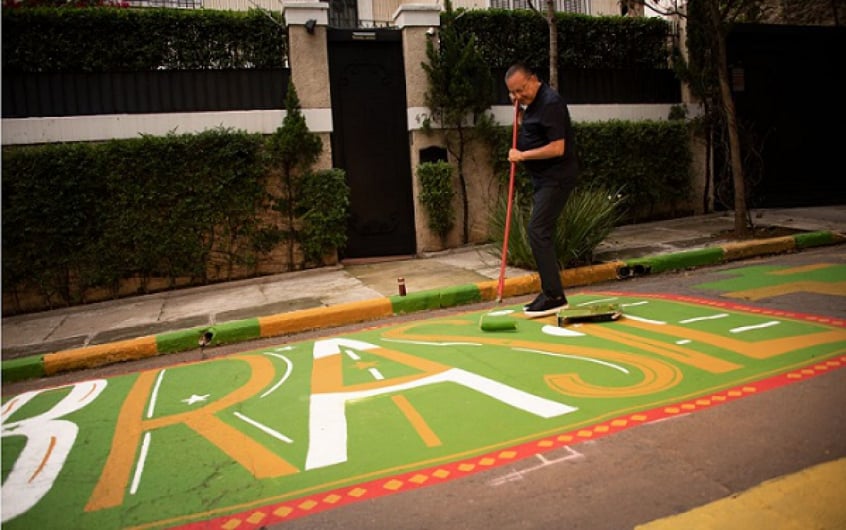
(588, 218)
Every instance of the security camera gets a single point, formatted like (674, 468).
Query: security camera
(430, 31)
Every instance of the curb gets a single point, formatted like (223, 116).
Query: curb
(356, 312)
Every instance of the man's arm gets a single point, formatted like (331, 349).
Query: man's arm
(551, 150)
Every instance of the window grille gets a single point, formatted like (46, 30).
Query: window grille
(343, 13)
(179, 4)
(567, 6)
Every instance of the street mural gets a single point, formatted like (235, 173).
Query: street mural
(275, 434)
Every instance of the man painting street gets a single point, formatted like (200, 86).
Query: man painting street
(546, 148)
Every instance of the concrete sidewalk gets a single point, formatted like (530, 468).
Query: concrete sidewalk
(282, 304)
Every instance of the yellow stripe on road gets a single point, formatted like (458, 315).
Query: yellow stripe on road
(813, 498)
(810, 286)
(802, 269)
(416, 419)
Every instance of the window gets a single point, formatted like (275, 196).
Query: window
(343, 13)
(568, 6)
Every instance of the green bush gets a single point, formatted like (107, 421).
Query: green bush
(504, 36)
(89, 215)
(324, 211)
(436, 195)
(651, 160)
(106, 39)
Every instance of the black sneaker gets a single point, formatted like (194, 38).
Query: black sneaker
(543, 306)
(538, 299)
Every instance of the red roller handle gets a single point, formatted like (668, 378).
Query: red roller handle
(501, 286)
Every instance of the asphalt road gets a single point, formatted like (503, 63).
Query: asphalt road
(645, 473)
(625, 479)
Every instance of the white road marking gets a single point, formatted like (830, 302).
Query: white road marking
(154, 396)
(264, 428)
(556, 331)
(544, 462)
(602, 300)
(741, 329)
(290, 368)
(139, 466)
(709, 317)
(646, 320)
(577, 357)
(426, 343)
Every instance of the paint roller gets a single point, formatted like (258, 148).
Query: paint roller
(497, 321)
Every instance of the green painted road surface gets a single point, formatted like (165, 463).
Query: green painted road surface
(266, 436)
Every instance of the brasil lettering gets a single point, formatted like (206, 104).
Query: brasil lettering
(174, 445)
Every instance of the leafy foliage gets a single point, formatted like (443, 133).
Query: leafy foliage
(89, 215)
(293, 149)
(104, 39)
(324, 210)
(588, 218)
(649, 159)
(505, 36)
(436, 195)
(460, 91)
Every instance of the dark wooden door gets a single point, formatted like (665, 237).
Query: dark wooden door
(370, 140)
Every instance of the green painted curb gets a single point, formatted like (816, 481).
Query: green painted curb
(815, 239)
(24, 368)
(460, 295)
(225, 333)
(235, 331)
(176, 341)
(412, 302)
(679, 260)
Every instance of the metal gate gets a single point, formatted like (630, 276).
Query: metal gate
(370, 140)
(788, 88)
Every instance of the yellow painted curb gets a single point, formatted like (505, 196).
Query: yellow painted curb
(319, 317)
(521, 285)
(487, 290)
(774, 245)
(530, 283)
(99, 355)
(811, 498)
(591, 274)
(518, 286)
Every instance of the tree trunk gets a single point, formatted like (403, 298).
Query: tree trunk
(740, 211)
(465, 201)
(741, 226)
(553, 44)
